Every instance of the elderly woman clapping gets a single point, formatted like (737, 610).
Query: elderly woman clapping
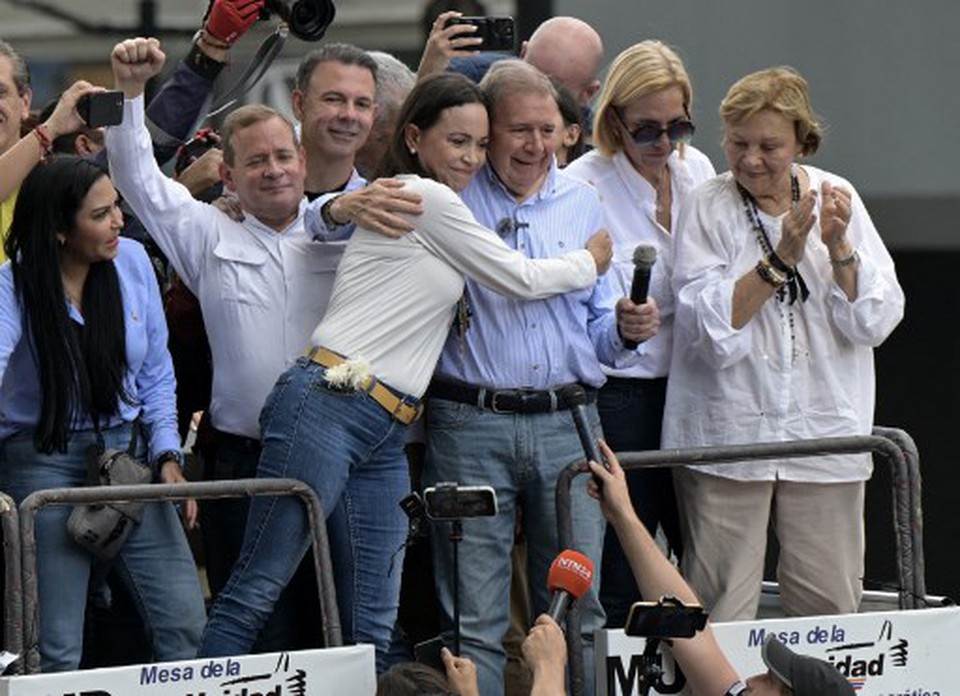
(783, 288)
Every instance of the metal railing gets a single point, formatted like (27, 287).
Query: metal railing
(893, 445)
(12, 578)
(330, 616)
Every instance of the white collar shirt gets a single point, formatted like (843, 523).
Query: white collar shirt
(262, 292)
(793, 371)
(629, 204)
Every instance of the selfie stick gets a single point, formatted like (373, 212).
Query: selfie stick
(456, 536)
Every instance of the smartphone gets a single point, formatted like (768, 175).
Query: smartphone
(101, 108)
(498, 33)
(428, 653)
(448, 501)
(657, 620)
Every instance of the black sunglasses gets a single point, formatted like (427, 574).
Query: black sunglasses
(647, 134)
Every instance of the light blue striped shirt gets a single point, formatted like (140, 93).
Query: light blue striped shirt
(149, 378)
(543, 343)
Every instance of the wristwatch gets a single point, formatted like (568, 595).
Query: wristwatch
(325, 213)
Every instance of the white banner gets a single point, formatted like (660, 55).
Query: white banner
(333, 672)
(898, 653)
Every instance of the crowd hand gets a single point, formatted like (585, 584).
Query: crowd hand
(600, 245)
(446, 43)
(545, 651)
(134, 62)
(170, 473)
(203, 173)
(835, 210)
(796, 225)
(461, 673)
(228, 20)
(611, 491)
(384, 206)
(229, 206)
(637, 322)
(65, 118)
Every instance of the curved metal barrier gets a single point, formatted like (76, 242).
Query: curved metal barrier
(12, 578)
(909, 512)
(893, 445)
(239, 488)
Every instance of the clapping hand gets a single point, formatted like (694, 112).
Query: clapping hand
(835, 211)
(796, 225)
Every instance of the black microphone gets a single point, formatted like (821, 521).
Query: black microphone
(644, 256)
(509, 225)
(575, 398)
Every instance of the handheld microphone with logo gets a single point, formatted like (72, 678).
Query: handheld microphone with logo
(569, 579)
(644, 256)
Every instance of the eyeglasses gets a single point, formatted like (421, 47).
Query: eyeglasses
(647, 133)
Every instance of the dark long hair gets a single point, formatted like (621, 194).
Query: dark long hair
(81, 367)
(423, 108)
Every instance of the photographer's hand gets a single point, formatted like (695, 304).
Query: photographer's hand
(545, 652)
(611, 491)
(203, 172)
(228, 20)
(706, 667)
(446, 43)
(461, 673)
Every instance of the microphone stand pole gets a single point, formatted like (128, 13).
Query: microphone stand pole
(456, 536)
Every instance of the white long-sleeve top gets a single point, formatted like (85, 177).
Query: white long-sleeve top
(394, 300)
(629, 204)
(778, 378)
(261, 292)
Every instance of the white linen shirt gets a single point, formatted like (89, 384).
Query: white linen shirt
(629, 204)
(394, 299)
(262, 292)
(774, 379)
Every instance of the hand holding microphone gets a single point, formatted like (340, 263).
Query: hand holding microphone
(575, 398)
(569, 579)
(635, 321)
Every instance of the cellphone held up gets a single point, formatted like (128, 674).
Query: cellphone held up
(497, 33)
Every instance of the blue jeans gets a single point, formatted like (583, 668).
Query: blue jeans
(155, 561)
(631, 411)
(520, 456)
(292, 626)
(350, 451)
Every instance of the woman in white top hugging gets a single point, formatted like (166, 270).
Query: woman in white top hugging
(783, 289)
(644, 168)
(338, 417)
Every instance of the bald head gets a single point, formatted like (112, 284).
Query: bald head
(569, 50)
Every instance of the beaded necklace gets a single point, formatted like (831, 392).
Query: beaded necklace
(795, 284)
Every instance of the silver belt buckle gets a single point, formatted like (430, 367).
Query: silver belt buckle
(493, 403)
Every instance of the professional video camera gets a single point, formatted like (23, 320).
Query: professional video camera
(308, 19)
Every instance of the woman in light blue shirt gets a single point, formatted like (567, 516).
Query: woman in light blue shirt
(83, 346)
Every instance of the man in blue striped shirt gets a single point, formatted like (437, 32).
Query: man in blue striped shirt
(495, 415)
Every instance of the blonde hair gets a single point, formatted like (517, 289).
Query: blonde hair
(782, 90)
(642, 69)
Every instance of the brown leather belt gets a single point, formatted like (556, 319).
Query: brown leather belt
(404, 409)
